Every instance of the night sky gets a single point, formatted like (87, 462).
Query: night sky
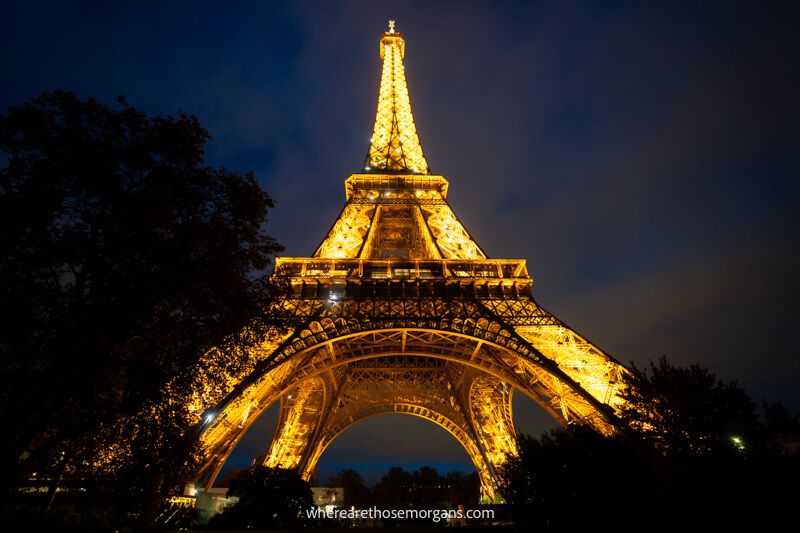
(643, 158)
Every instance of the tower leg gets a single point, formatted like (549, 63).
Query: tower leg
(300, 413)
(485, 401)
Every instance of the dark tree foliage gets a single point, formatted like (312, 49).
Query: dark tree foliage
(463, 489)
(268, 498)
(393, 489)
(712, 460)
(356, 492)
(688, 411)
(781, 429)
(123, 257)
(425, 488)
(399, 488)
(569, 477)
(695, 456)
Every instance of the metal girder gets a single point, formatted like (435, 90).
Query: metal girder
(356, 356)
(394, 145)
(400, 311)
(477, 412)
(452, 238)
(425, 225)
(345, 238)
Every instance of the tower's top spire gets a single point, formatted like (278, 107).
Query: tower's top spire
(394, 146)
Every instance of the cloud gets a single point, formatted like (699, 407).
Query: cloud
(643, 158)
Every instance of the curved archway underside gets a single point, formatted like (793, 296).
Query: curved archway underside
(454, 363)
(400, 309)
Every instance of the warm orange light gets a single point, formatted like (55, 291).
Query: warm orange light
(394, 145)
(402, 312)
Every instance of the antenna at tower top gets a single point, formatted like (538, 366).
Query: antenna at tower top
(391, 26)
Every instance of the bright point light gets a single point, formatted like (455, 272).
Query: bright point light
(296, 440)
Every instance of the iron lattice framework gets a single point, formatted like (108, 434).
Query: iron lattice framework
(400, 311)
(394, 146)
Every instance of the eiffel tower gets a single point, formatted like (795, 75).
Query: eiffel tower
(399, 310)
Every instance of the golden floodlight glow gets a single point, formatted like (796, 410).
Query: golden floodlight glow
(400, 311)
(394, 146)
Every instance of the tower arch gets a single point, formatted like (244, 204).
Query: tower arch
(467, 379)
(400, 310)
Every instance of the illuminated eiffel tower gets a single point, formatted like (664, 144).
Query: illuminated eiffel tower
(401, 311)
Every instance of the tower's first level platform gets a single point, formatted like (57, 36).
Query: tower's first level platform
(359, 278)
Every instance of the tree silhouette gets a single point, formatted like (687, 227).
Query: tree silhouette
(463, 489)
(268, 498)
(688, 411)
(694, 454)
(781, 429)
(392, 490)
(123, 258)
(356, 493)
(563, 471)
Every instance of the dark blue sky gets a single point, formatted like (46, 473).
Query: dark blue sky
(643, 157)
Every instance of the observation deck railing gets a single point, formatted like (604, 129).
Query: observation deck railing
(394, 269)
